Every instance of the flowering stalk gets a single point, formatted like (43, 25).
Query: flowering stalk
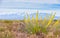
(33, 19)
(50, 20)
(25, 20)
(37, 17)
(57, 22)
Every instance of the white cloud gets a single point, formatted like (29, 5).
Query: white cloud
(8, 11)
(34, 1)
(29, 11)
(51, 11)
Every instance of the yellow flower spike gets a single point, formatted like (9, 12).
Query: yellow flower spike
(25, 20)
(33, 19)
(50, 15)
(40, 18)
(50, 20)
(37, 17)
(57, 22)
(28, 18)
(45, 19)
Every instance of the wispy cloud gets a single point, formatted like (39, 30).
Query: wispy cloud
(27, 5)
(34, 1)
(19, 11)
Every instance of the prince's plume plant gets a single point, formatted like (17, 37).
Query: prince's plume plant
(33, 26)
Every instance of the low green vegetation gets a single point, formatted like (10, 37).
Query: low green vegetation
(45, 25)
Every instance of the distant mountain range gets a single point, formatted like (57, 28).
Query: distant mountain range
(21, 16)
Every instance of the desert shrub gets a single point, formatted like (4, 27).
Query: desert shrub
(33, 26)
(7, 21)
(2, 29)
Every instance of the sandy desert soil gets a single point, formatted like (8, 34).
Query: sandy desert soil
(15, 29)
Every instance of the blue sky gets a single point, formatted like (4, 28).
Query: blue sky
(29, 6)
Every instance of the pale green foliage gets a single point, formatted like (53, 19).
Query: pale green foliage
(34, 26)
